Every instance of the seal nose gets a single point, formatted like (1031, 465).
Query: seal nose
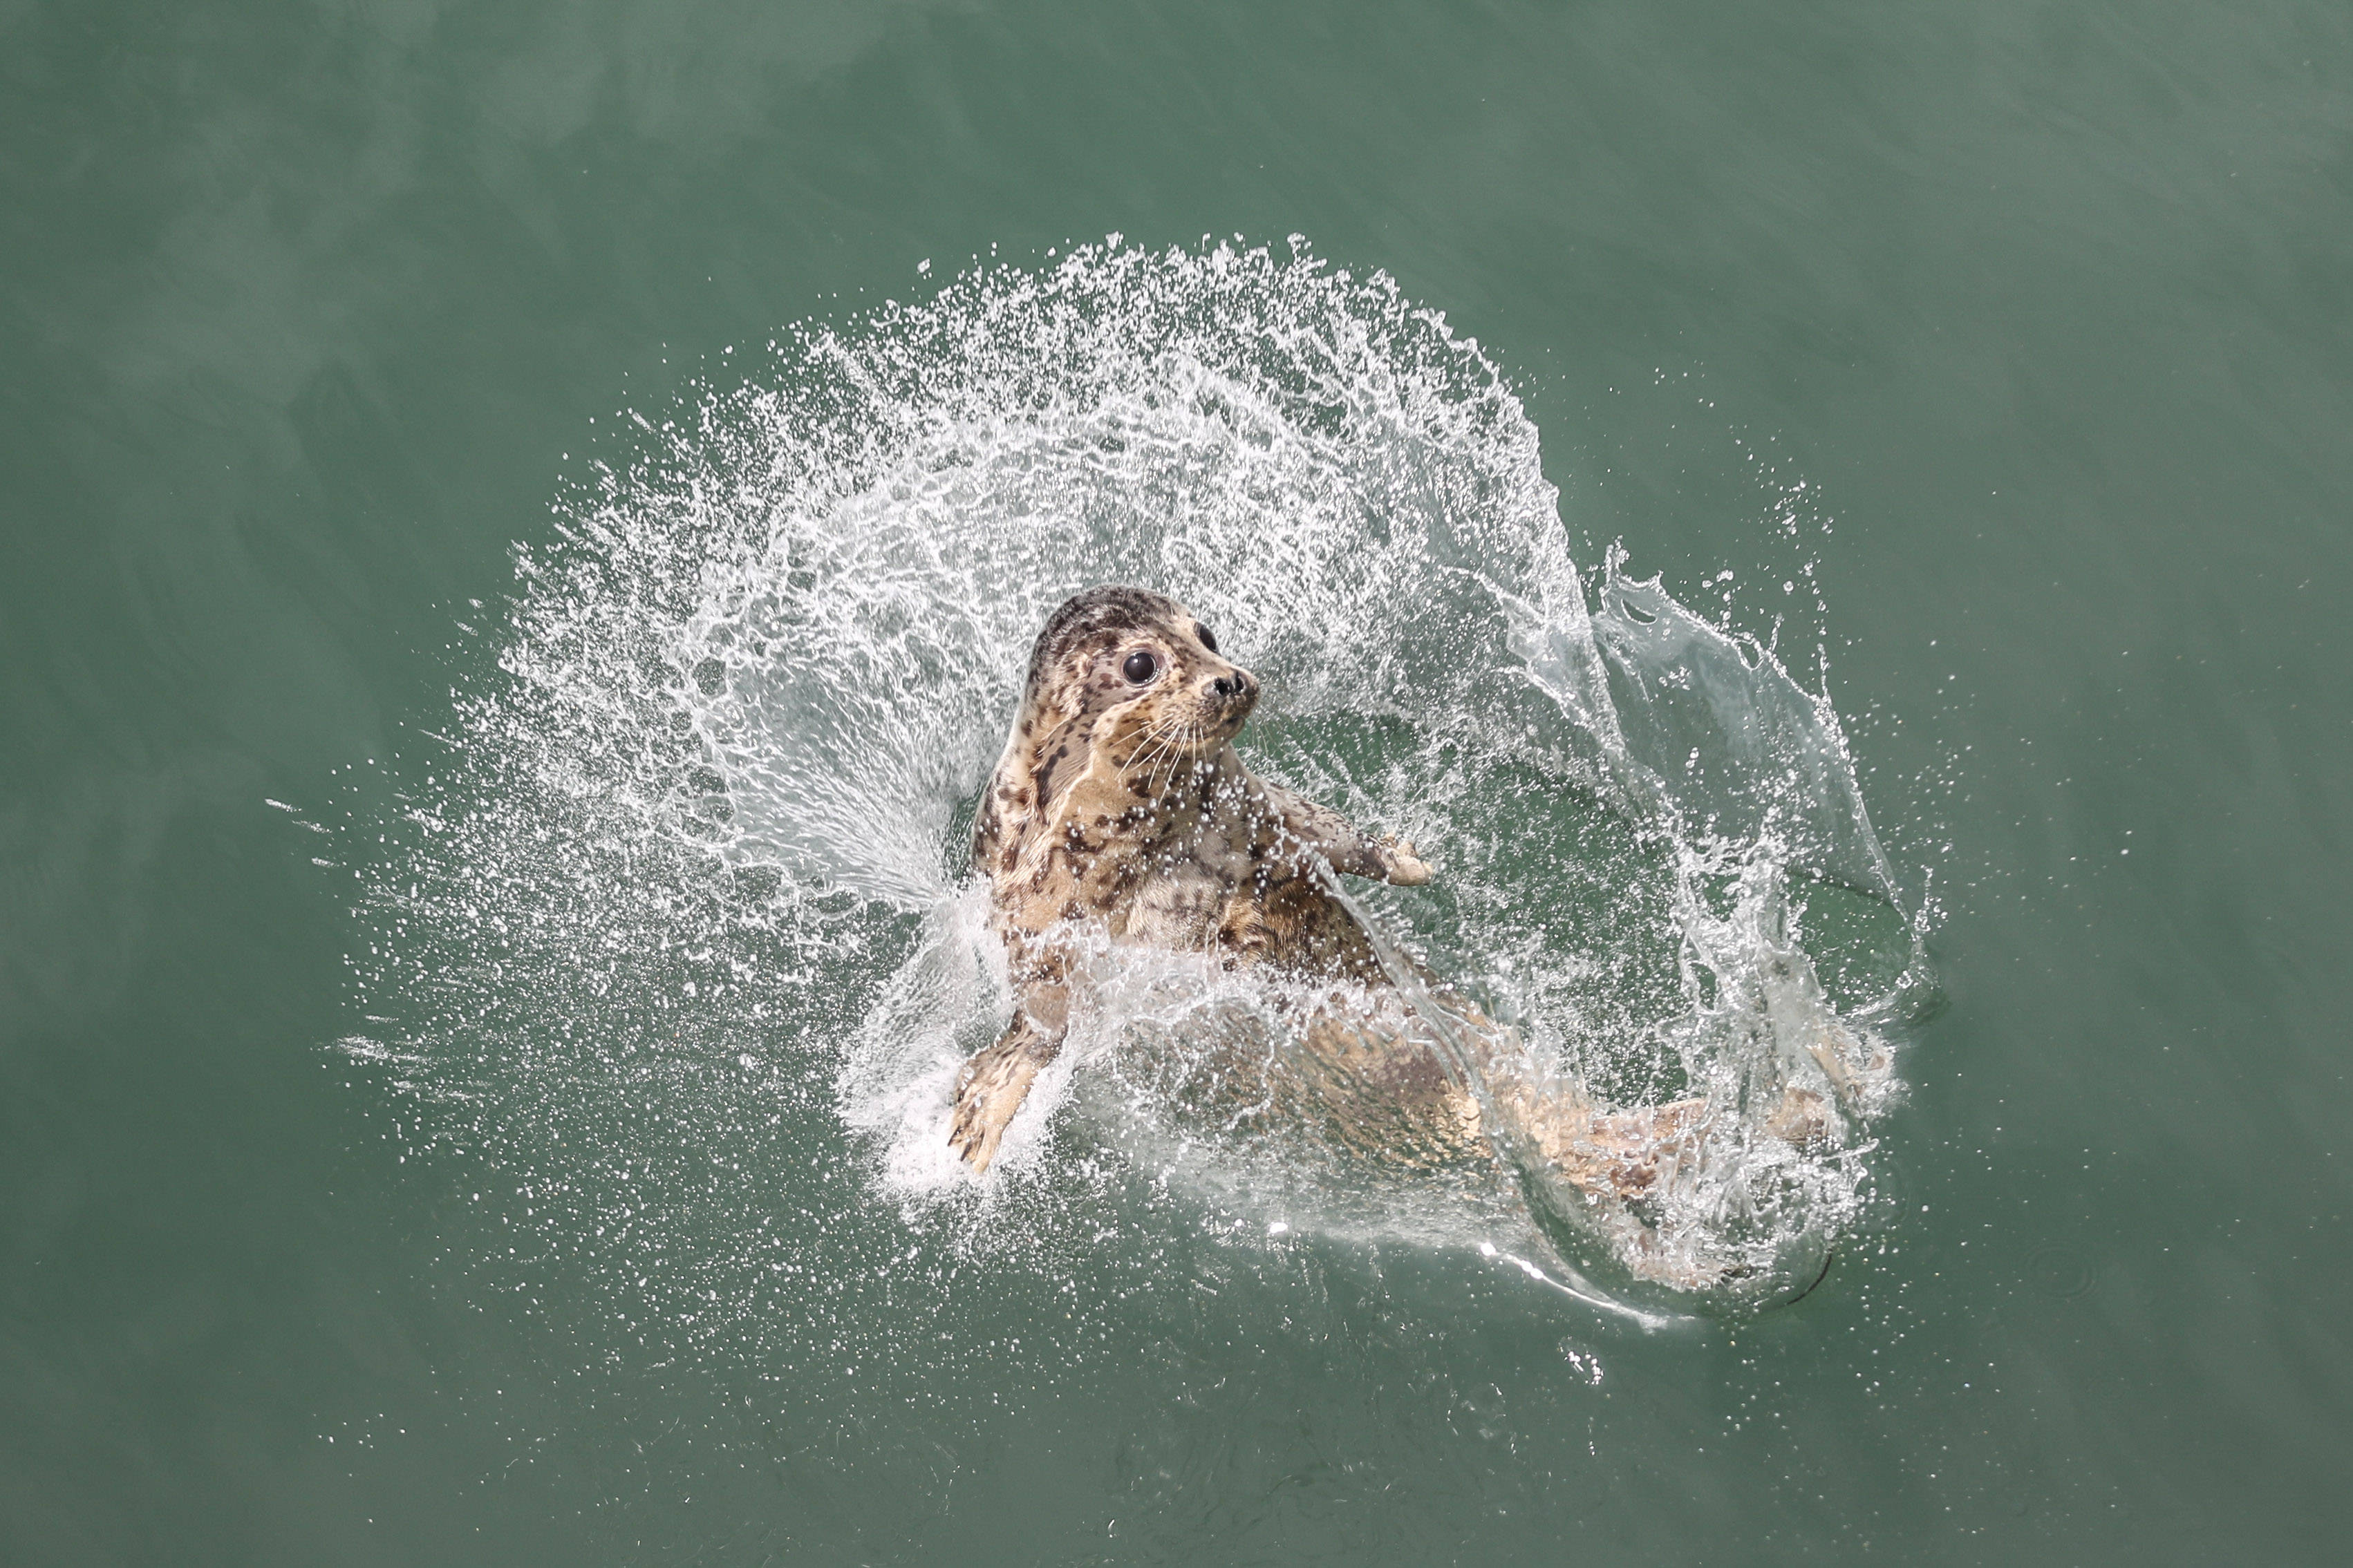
(1238, 684)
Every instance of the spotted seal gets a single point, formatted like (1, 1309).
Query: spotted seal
(1122, 811)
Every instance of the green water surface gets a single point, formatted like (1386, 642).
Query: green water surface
(305, 310)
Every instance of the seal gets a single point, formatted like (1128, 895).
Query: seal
(1121, 812)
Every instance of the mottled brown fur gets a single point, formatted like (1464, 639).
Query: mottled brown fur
(1124, 806)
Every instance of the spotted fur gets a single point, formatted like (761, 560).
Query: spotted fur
(1121, 807)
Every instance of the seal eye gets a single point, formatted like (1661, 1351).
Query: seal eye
(1140, 667)
(1207, 640)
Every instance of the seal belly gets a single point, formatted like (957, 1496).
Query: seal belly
(1177, 909)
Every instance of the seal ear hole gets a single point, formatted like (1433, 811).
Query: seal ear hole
(1140, 667)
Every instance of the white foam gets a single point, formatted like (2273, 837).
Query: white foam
(719, 799)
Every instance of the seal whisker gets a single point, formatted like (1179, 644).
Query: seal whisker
(1173, 737)
(1144, 748)
(1156, 741)
(1187, 735)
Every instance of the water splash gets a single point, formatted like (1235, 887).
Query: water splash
(687, 893)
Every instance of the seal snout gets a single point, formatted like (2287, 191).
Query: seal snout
(1231, 694)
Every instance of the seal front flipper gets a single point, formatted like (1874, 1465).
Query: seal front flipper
(1400, 865)
(995, 1083)
(1350, 848)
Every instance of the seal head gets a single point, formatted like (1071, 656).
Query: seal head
(1125, 684)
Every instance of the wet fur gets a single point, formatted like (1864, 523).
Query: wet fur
(1123, 809)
